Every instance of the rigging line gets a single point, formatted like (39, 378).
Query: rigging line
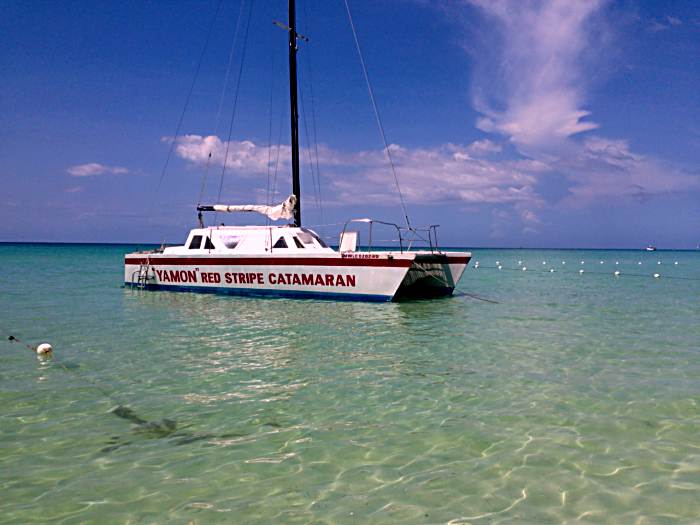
(187, 100)
(228, 67)
(269, 150)
(313, 117)
(317, 195)
(204, 180)
(376, 114)
(235, 101)
(269, 130)
(222, 97)
(277, 159)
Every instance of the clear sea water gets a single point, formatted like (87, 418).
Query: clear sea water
(569, 398)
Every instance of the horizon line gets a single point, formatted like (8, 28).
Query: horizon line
(134, 243)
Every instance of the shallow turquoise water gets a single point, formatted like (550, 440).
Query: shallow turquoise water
(570, 399)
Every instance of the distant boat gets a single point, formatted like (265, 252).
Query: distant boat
(650, 248)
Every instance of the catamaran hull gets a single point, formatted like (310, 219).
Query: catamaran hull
(355, 277)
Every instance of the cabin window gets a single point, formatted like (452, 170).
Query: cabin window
(196, 242)
(281, 243)
(307, 235)
(230, 241)
(208, 245)
(297, 242)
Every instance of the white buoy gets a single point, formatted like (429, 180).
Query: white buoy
(617, 262)
(544, 262)
(676, 263)
(617, 273)
(580, 271)
(500, 267)
(524, 268)
(44, 349)
(657, 275)
(563, 262)
(551, 270)
(520, 263)
(640, 262)
(658, 262)
(582, 262)
(498, 262)
(601, 262)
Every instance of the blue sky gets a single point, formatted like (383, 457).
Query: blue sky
(542, 124)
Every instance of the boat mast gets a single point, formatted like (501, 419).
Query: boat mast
(294, 111)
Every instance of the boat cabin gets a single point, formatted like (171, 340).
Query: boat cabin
(251, 240)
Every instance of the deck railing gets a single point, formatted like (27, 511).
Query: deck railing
(408, 236)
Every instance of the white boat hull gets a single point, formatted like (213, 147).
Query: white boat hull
(376, 276)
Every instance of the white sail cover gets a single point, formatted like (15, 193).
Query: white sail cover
(281, 211)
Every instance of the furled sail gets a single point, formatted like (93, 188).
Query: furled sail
(284, 210)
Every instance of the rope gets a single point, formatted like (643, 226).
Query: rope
(164, 427)
(313, 121)
(277, 160)
(235, 101)
(204, 180)
(376, 114)
(478, 298)
(269, 131)
(317, 192)
(93, 383)
(221, 98)
(187, 100)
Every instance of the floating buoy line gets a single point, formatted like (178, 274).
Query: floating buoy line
(160, 428)
(549, 268)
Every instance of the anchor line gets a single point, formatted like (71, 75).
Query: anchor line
(478, 298)
(96, 385)
(121, 410)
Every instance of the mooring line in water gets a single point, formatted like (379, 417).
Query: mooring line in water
(49, 355)
(474, 296)
(165, 426)
(162, 428)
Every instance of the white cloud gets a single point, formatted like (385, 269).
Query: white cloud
(530, 85)
(604, 168)
(93, 168)
(426, 175)
(243, 155)
(536, 96)
(483, 147)
(434, 175)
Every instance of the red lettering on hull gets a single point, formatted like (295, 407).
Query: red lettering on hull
(258, 278)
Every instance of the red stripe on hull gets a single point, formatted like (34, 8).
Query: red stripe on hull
(268, 261)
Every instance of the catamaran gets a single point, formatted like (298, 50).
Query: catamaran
(290, 260)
